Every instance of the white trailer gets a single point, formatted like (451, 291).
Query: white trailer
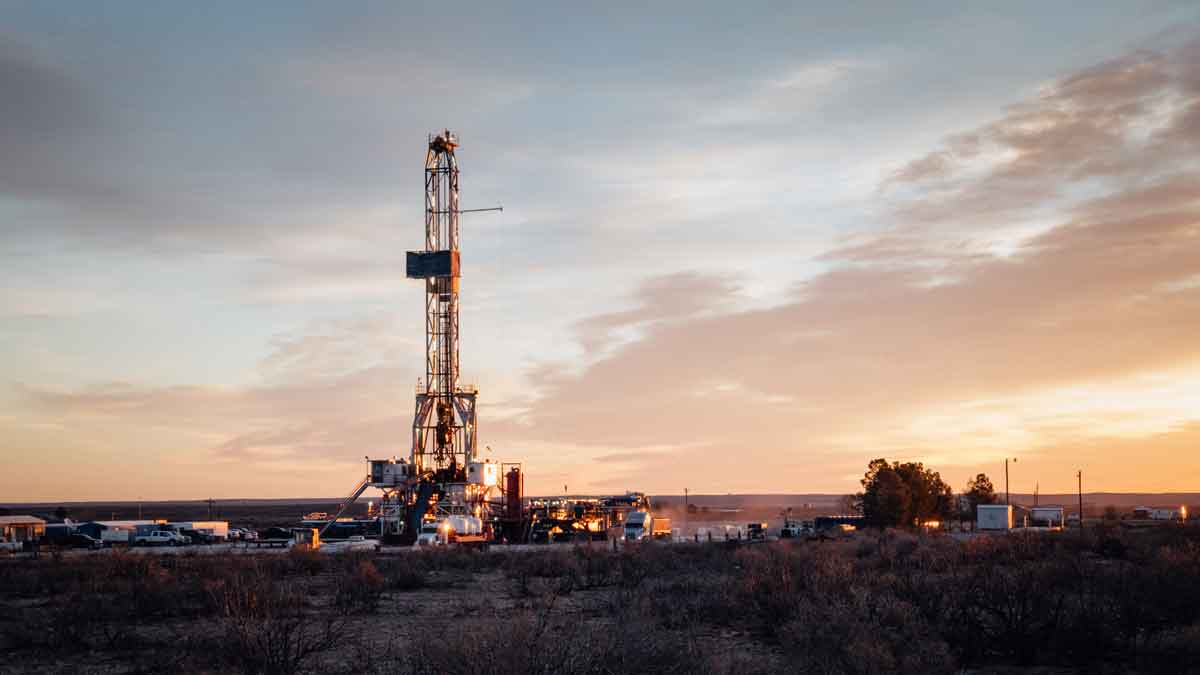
(112, 536)
(994, 517)
(218, 529)
(1165, 514)
(1048, 516)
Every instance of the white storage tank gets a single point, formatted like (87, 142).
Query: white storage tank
(994, 517)
(465, 524)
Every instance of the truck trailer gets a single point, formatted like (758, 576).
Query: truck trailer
(661, 528)
(994, 517)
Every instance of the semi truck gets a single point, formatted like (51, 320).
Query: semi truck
(459, 530)
(641, 525)
(638, 526)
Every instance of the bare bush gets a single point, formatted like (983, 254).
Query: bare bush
(358, 590)
(265, 626)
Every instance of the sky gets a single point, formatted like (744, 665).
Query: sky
(744, 248)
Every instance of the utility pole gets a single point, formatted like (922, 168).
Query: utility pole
(1079, 478)
(1006, 496)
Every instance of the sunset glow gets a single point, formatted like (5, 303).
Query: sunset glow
(724, 264)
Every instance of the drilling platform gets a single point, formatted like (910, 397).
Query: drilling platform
(444, 486)
(443, 477)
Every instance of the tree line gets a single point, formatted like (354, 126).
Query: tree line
(908, 494)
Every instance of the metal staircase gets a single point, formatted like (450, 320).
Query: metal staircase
(348, 502)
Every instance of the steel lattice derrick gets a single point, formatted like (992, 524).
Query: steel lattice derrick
(444, 416)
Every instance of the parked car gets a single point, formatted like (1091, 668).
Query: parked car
(161, 538)
(81, 540)
(197, 536)
(276, 533)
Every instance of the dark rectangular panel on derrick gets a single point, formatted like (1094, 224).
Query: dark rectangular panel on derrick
(431, 264)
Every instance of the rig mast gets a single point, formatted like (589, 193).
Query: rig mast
(443, 477)
(444, 429)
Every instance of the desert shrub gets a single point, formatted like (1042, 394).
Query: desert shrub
(1110, 546)
(539, 641)
(685, 601)
(280, 644)
(529, 572)
(300, 560)
(402, 573)
(592, 567)
(552, 563)
(1173, 650)
(28, 578)
(459, 559)
(863, 632)
(878, 602)
(264, 623)
(358, 591)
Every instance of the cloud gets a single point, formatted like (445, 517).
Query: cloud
(845, 371)
(1126, 120)
(784, 97)
(895, 347)
(46, 115)
(928, 322)
(659, 299)
(337, 347)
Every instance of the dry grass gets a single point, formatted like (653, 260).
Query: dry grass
(899, 603)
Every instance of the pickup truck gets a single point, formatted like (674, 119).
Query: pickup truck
(160, 538)
(429, 535)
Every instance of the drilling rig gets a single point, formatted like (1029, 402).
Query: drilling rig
(443, 479)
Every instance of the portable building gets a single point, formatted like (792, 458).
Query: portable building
(21, 528)
(994, 517)
(118, 531)
(1048, 516)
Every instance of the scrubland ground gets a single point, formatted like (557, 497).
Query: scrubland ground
(891, 602)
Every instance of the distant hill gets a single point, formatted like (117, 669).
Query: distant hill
(815, 500)
(743, 501)
(1118, 499)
